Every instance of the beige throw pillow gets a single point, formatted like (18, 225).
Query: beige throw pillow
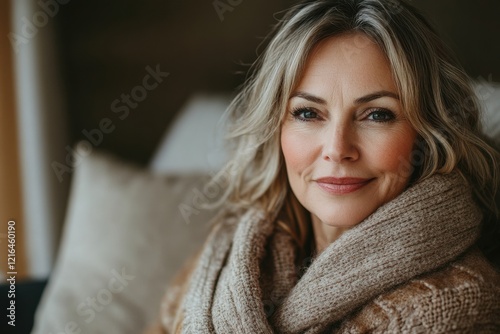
(126, 233)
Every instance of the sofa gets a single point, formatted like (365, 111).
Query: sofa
(129, 228)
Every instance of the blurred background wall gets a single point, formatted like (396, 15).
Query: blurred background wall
(91, 58)
(106, 46)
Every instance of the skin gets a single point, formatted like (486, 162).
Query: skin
(345, 119)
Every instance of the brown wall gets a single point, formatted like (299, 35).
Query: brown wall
(471, 29)
(107, 46)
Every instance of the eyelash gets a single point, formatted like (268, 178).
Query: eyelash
(385, 112)
(296, 113)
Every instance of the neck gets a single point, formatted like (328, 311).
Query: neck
(325, 234)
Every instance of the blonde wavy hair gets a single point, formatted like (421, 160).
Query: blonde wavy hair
(435, 92)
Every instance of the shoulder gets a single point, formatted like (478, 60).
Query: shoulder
(463, 297)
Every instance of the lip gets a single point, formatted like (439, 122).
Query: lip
(341, 186)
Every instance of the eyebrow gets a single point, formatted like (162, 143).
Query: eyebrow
(360, 100)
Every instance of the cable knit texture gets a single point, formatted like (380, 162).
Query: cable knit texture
(410, 267)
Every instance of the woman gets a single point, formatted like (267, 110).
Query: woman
(358, 189)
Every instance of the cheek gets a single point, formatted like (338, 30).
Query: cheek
(393, 153)
(296, 150)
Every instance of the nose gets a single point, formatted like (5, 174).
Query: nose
(339, 144)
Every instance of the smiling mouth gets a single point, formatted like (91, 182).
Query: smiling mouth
(342, 186)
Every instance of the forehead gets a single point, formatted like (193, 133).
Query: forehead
(351, 62)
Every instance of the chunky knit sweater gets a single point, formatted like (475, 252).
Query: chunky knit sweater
(411, 267)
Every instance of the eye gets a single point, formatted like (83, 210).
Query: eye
(381, 115)
(305, 114)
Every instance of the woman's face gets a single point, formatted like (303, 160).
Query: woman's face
(345, 139)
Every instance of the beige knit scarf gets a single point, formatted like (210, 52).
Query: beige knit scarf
(247, 281)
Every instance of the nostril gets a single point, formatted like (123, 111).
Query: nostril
(340, 151)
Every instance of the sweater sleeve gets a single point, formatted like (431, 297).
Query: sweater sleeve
(172, 299)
